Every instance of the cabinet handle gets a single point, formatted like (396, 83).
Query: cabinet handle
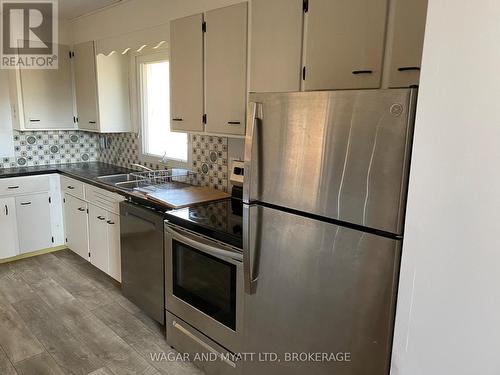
(71, 187)
(362, 72)
(25, 203)
(234, 122)
(6, 210)
(33, 120)
(110, 222)
(177, 119)
(81, 209)
(13, 187)
(101, 218)
(408, 68)
(91, 122)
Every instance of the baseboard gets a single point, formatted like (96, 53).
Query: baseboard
(33, 253)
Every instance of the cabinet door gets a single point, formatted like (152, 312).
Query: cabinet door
(114, 247)
(86, 86)
(98, 238)
(76, 223)
(276, 45)
(186, 74)
(47, 95)
(113, 93)
(8, 228)
(405, 41)
(225, 67)
(344, 44)
(33, 222)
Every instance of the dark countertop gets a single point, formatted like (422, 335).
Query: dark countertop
(85, 172)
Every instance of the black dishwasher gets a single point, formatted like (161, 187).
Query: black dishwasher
(142, 258)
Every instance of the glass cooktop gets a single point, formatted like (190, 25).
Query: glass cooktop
(221, 220)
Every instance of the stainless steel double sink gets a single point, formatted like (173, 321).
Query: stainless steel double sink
(125, 181)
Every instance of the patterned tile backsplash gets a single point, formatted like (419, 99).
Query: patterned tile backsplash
(209, 154)
(52, 147)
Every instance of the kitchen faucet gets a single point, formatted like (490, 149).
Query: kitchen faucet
(141, 166)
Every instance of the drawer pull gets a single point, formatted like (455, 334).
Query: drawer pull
(101, 218)
(13, 187)
(71, 187)
(177, 119)
(91, 122)
(33, 120)
(110, 222)
(234, 122)
(25, 203)
(204, 345)
(81, 209)
(409, 68)
(362, 72)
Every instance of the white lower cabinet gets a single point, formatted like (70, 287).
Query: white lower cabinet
(8, 228)
(77, 230)
(98, 240)
(33, 222)
(93, 227)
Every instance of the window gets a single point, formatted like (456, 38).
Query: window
(154, 101)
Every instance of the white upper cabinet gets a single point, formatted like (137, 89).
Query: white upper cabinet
(344, 44)
(276, 50)
(102, 90)
(186, 74)
(405, 42)
(43, 98)
(226, 68)
(86, 86)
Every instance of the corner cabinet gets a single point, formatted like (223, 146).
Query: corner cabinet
(42, 99)
(223, 87)
(101, 90)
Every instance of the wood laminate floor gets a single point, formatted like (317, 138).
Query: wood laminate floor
(61, 315)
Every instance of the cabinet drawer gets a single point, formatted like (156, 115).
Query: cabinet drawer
(24, 185)
(73, 187)
(188, 340)
(103, 198)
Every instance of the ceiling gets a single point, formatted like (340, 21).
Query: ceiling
(69, 9)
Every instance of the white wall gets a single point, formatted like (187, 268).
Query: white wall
(137, 15)
(448, 314)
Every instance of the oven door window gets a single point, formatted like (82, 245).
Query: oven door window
(205, 282)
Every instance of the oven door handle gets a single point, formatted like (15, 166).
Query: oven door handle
(212, 250)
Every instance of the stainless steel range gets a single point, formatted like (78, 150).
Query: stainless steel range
(204, 281)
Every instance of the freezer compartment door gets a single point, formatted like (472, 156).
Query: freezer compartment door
(339, 154)
(317, 288)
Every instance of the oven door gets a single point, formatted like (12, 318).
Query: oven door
(204, 284)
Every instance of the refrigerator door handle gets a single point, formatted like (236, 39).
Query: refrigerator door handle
(254, 116)
(249, 253)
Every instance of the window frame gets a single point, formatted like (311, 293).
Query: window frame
(139, 59)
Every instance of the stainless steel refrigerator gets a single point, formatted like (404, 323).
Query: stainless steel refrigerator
(325, 193)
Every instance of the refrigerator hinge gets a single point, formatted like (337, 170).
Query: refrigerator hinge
(204, 27)
(204, 118)
(305, 6)
(304, 73)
